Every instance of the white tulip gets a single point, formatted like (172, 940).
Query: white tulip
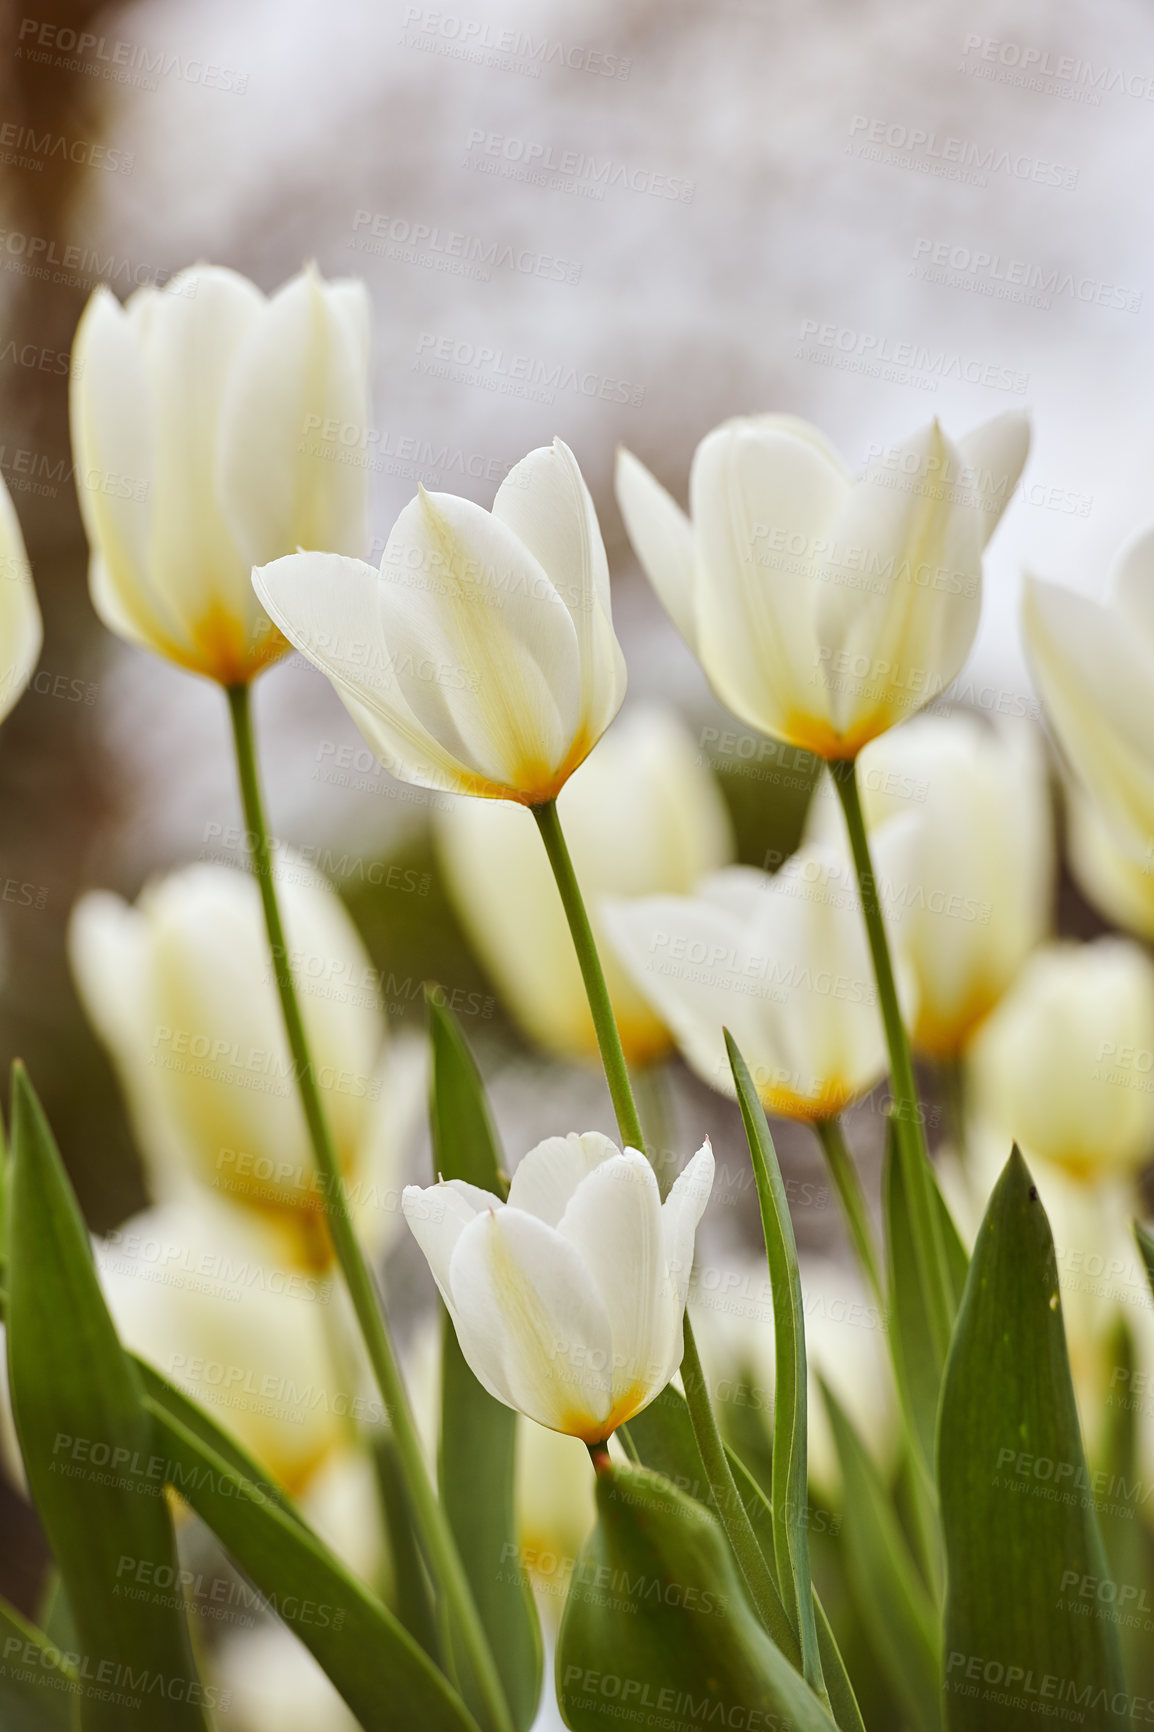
(643, 814)
(568, 1299)
(1114, 868)
(824, 610)
(180, 990)
(1093, 664)
(21, 631)
(198, 423)
(781, 962)
(971, 871)
(480, 658)
(1065, 1064)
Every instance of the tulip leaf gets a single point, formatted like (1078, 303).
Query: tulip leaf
(38, 1684)
(917, 1365)
(1146, 1249)
(412, 1596)
(790, 1483)
(381, 1672)
(477, 1456)
(87, 1442)
(1017, 1502)
(657, 1628)
(893, 1601)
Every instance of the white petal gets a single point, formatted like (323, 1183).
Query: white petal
(662, 538)
(888, 648)
(285, 482)
(997, 452)
(763, 496)
(681, 1213)
(20, 628)
(549, 1174)
(437, 1216)
(531, 1320)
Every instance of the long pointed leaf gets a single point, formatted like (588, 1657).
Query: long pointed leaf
(37, 1683)
(87, 1446)
(1017, 1502)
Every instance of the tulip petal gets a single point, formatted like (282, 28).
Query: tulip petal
(763, 493)
(547, 1177)
(545, 502)
(437, 1216)
(681, 1214)
(892, 644)
(997, 452)
(1095, 673)
(20, 628)
(532, 1321)
(614, 1220)
(1132, 583)
(285, 483)
(662, 538)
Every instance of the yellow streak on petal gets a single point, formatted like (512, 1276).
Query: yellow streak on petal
(807, 1109)
(815, 734)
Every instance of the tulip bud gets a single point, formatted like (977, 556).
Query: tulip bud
(1065, 1065)
(963, 835)
(181, 991)
(20, 628)
(568, 1298)
(642, 815)
(824, 610)
(480, 658)
(781, 962)
(211, 429)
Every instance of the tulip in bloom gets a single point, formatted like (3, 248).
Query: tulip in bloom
(568, 1299)
(206, 403)
(971, 870)
(181, 992)
(480, 658)
(1113, 866)
(1063, 1066)
(642, 815)
(780, 961)
(824, 609)
(1093, 664)
(20, 628)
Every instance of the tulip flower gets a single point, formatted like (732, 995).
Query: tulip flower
(568, 1298)
(1113, 866)
(198, 421)
(643, 814)
(180, 990)
(1093, 664)
(1063, 1066)
(971, 874)
(782, 962)
(824, 609)
(20, 628)
(480, 658)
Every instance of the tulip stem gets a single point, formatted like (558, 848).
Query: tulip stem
(831, 1136)
(593, 975)
(928, 1235)
(436, 1538)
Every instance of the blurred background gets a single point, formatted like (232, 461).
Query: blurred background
(616, 223)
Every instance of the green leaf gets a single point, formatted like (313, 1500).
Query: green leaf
(790, 1479)
(1017, 1502)
(917, 1366)
(412, 1593)
(657, 1628)
(892, 1599)
(37, 1684)
(87, 1442)
(384, 1676)
(1146, 1248)
(477, 1458)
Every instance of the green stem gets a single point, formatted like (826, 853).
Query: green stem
(952, 1075)
(732, 1511)
(929, 1242)
(844, 1173)
(436, 1537)
(604, 1022)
